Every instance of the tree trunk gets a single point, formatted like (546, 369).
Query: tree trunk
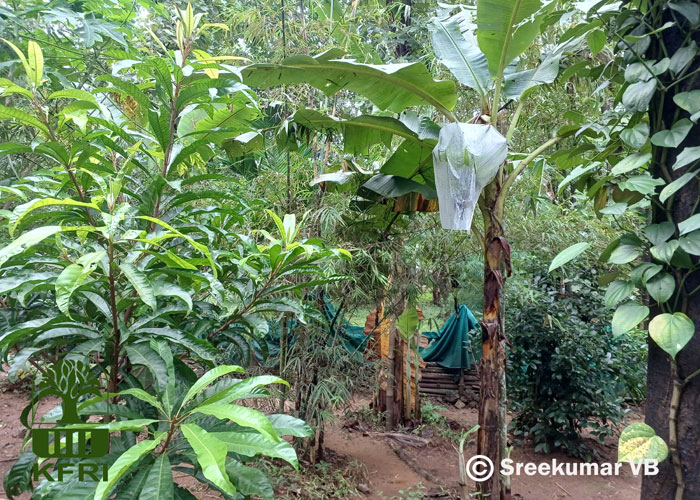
(496, 259)
(391, 380)
(660, 379)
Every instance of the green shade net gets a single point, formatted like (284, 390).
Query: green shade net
(458, 343)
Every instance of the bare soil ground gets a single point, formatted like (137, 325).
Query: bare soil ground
(429, 470)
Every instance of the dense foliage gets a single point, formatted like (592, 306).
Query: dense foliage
(567, 373)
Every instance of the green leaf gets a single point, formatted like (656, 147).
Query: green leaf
(596, 40)
(637, 96)
(671, 332)
(672, 138)
(35, 59)
(682, 57)
(635, 137)
(687, 156)
(659, 233)
(661, 287)
(638, 442)
(211, 455)
(142, 354)
(689, 101)
(393, 186)
(164, 289)
(624, 254)
(407, 323)
(389, 86)
(81, 95)
(250, 444)
(664, 251)
(567, 255)
(125, 461)
(242, 415)
(627, 316)
(26, 240)
(674, 186)
(159, 483)
(208, 378)
(66, 283)
(22, 117)
(691, 243)
(242, 389)
(690, 224)
(287, 425)
(141, 284)
(25, 209)
(690, 10)
(505, 29)
(631, 162)
(644, 184)
(459, 52)
(143, 396)
(618, 291)
(250, 481)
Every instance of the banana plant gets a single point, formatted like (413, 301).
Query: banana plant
(481, 47)
(192, 424)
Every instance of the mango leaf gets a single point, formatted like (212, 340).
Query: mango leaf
(627, 316)
(25, 209)
(567, 255)
(638, 442)
(208, 378)
(242, 389)
(287, 425)
(250, 481)
(159, 482)
(671, 332)
(66, 283)
(26, 240)
(250, 444)
(389, 86)
(125, 461)
(242, 415)
(35, 59)
(456, 47)
(22, 117)
(141, 284)
(661, 287)
(142, 354)
(211, 455)
(505, 29)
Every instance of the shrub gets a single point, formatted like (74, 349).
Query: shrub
(567, 373)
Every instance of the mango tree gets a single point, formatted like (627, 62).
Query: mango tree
(481, 49)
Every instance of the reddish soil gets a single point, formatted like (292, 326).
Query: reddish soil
(389, 475)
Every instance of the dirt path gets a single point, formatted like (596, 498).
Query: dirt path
(389, 475)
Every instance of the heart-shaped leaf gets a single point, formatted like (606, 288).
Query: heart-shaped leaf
(627, 316)
(672, 138)
(661, 287)
(671, 332)
(632, 162)
(635, 137)
(691, 243)
(639, 442)
(659, 233)
(664, 251)
(618, 291)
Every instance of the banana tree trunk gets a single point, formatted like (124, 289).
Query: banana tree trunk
(492, 367)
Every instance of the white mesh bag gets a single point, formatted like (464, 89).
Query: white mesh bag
(465, 159)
